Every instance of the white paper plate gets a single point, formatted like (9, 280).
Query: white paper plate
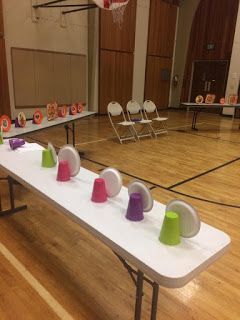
(139, 187)
(113, 181)
(70, 154)
(53, 151)
(189, 219)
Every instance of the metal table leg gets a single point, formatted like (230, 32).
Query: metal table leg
(139, 295)
(139, 282)
(154, 301)
(194, 120)
(12, 209)
(72, 129)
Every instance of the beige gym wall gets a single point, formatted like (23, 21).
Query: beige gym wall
(46, 34)
(234, 70)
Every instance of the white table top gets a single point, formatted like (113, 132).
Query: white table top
(30, 127)
(137, 242)
(200, 105)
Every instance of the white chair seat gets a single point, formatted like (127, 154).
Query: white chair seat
(160, 119)
(126, 123)
(145, 121)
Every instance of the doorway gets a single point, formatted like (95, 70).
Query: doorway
(209, 77)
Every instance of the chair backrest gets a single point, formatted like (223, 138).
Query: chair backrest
(114, 109)
(149, 106)
(133, 107)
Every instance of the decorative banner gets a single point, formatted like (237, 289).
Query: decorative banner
(222, 100)
(5, 123)
(37, 117)
(199, 99)
(73, 109)
(80, 107)
(22, 119)
(210, 98)
(52, 111)
(232, 99)
(62, 111)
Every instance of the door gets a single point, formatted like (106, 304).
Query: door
(209, 77)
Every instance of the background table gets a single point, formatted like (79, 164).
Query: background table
(169, 266)
(198, 107)
(30, 127)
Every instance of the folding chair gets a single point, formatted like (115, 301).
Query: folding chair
(143, 127)
(158, 126)
(115, 110)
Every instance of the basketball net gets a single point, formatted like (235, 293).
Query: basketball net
(118, 13)
(117, 7)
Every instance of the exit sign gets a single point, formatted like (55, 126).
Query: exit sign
(210, 46)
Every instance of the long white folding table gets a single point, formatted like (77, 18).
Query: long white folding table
(68, 122)
(135, 243)
(198, 107)
(69, 126)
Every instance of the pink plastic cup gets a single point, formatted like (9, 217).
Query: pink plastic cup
(63, 171)
(99, 193)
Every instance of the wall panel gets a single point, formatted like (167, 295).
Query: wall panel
(43, 76)
(114, 38)
(116, 72)
(162, 24)
(62, 78)
(161, 36)
(158, 76)
(24, 77)
(78, 78)
(116, 57)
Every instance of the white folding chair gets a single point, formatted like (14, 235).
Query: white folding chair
(114, 109)
(158, 123)
(143, 126)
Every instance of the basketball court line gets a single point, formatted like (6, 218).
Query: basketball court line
(183, 126)
(95, 141)
(35, 284)
(170, 188)
(155, 186)
(203, 173)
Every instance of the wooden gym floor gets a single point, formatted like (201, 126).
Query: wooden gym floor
(50, 268)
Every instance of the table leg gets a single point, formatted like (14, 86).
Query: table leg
(187, 117)
(154, 301)
(194, 120)
(12, 209)
(66, 127)
(73, 133)
(139, 295)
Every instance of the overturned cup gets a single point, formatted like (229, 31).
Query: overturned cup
(170, 232)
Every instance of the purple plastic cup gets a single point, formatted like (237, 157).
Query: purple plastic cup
(17, 125)
(63, 171)
(16, 143)
(135, 207)
(99, 193)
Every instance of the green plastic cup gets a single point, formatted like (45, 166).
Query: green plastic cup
(170, 232)
(1, 135)
(47, 159)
